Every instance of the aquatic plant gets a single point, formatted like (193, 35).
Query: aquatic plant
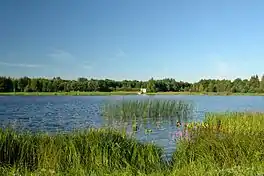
(147, 111)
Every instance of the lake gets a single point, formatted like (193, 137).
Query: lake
(65, 113)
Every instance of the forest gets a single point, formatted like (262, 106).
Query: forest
(25, 84)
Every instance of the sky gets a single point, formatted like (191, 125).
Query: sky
(132, 39)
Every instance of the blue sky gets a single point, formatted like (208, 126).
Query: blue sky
(120, 39)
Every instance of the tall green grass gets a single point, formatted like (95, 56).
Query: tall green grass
(224, 144)
(88, 151)
(240, 122)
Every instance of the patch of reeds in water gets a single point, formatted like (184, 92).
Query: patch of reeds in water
(141, 111)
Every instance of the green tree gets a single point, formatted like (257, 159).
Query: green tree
(15, 85)
(151, 87)
(211, 87)
(254, 84)
(201, 88)
(50, 86)
(23, 83)
(6, 84)
(34, 85)
(262, 84)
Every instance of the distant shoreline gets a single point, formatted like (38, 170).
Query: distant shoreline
(124, 93)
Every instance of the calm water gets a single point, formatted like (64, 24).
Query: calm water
(64, 113)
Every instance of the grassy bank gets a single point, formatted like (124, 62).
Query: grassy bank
(225, 144)
(124, 93)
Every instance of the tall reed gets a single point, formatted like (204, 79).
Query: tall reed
(88, 150)
(147, 110)
(223, 143)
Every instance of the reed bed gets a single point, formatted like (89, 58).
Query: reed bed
(144, 111)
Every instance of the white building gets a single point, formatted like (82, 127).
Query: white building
(143, 90)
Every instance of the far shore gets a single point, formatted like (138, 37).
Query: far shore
(124, 93)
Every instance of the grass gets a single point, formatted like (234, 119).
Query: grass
(224, 144)
(124, 93)
(84, 152)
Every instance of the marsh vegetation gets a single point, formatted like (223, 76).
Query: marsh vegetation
(223, 144)
(147, 111)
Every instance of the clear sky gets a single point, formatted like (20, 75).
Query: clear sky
(132, 39)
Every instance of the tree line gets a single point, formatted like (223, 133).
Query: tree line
(26, 84)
